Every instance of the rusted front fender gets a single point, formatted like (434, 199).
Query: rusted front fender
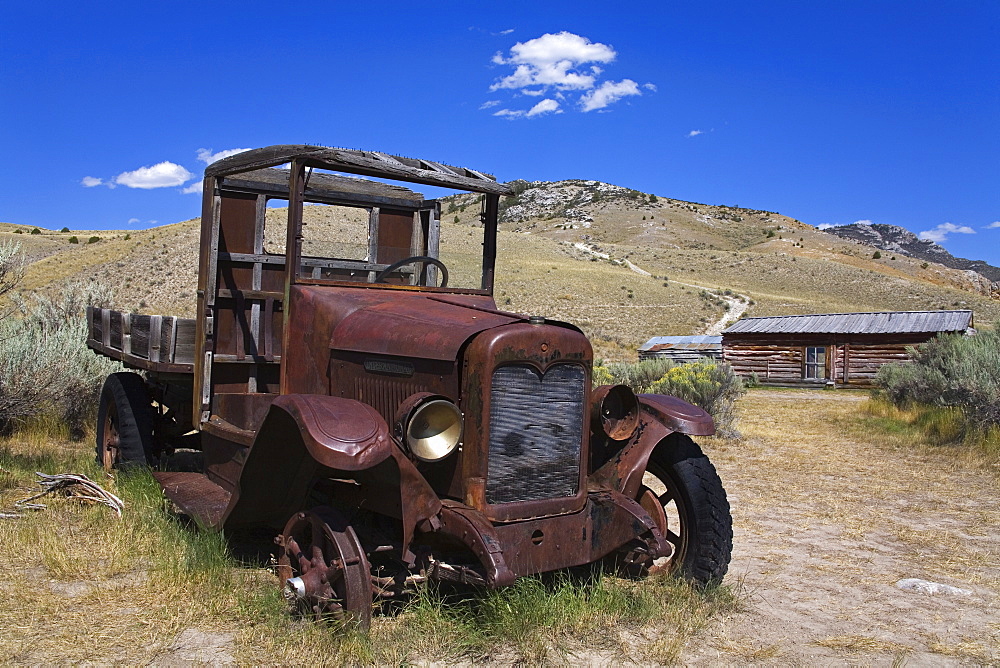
(339, 433)
(305, 437)
(659, 416)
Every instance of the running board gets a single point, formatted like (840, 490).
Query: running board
(196, 496)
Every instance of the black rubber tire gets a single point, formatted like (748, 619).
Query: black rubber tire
(124, 423)
(704, 544)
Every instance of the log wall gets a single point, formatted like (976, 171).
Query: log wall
(850, 361)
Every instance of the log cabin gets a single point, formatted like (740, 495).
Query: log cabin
(841, 349)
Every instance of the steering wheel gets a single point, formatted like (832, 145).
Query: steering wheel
(423, 259)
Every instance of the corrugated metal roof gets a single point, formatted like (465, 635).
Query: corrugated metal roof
(702, 342)
(886, 322)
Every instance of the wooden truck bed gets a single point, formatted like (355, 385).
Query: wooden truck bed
(161, 343)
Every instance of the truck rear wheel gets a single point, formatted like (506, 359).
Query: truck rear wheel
(124, 423)
(682, 492)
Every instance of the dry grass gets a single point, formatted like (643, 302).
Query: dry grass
(85, 586)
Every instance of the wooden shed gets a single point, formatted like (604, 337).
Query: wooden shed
(682, 348)
(839, 348)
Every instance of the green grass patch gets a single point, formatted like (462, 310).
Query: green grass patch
(932, 426)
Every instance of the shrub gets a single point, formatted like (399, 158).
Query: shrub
(711, 386)
(954, 371)
(127, 237)
(877, 255)
(65, 229)
(18, 231)
(45, 365)
(73, 240)
(93, 240)
(35, 230)
(640, 376)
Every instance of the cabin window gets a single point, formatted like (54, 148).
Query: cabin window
(815, 362)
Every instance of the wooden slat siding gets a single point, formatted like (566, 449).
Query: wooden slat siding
(106, 327)
(184, 343)
(155, 334)
(118, 330)
(170, 334)
(140, 336)
(127, 333)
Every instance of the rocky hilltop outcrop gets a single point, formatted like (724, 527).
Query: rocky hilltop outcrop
(896, 239)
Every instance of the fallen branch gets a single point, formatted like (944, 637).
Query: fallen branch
(74, 486)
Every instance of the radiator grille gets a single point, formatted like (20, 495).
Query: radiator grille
(536, 433)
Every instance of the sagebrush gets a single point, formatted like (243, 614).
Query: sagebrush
(709, 385)
(953, 371)
(45, 365)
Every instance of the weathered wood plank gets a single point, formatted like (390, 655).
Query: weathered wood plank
(357, 162)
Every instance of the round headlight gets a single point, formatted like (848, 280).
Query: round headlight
(434, 430)
(615, 411)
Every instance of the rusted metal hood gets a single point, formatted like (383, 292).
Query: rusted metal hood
(418, 325)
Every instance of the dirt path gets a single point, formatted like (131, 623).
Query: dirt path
(737, 304)
(827, 522)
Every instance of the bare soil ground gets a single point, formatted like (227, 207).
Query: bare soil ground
(828, 517)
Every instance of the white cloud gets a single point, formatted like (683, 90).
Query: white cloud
(695, 133)
(550, 60)
(546, 106)
(941, 232)
(506, 32)
(992, 226)
(562, 67)
(862, 222)
(91, 181)
(207, 157)
(608, 93)
(164, 174)
(133, 221)
(489, 104)
(193, 189)
(825, 226)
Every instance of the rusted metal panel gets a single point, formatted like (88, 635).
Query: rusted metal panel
(540, 346)
(198, 496)
(411, 325)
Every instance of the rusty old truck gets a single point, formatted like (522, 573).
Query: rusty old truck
(349, 384)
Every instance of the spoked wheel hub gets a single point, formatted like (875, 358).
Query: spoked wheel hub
(109, 446)
(323, 568)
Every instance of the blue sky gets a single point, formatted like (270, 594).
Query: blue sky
(829, 112)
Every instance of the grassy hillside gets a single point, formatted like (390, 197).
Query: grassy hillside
(564, 252)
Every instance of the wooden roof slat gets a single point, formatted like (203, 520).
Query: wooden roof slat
(362, 163)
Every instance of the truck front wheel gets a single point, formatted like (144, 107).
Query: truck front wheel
(682, 492)
(124, 423)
